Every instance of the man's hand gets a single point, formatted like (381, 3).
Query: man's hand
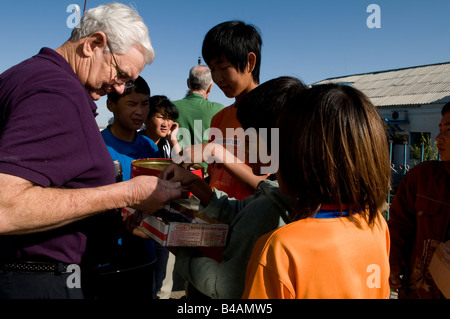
(150, 194)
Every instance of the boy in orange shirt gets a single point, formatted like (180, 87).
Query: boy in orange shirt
(232, 51)
(335, 166)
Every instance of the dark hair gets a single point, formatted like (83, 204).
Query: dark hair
(140, 86)
(261, 107)
(233, 40)
(445, 108)
(161, 101)
(335, 151)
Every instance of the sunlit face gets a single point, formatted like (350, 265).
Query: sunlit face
(158, 125)
(232, 82)
(130, 111)
(443, 138)
(100, 79)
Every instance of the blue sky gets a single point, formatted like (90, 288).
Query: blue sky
(312, 40)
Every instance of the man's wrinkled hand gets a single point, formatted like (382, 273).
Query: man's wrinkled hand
(150, 193)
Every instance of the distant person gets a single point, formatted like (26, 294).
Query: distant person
(195, 111)
(335, 167)
(57, 181)
(161, 128)
(419, 220)
(160, 125)
(132, 264)
(232, 51)
(248, 219)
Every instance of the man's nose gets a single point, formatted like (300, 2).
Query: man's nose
(119, 88)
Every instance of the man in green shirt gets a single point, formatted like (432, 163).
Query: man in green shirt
(195, 111)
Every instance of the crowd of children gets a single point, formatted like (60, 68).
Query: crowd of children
(309, 227)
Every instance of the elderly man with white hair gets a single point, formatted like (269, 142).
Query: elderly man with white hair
(58, 195)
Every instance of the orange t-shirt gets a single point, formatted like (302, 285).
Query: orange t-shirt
(321, 259)
(219, 177)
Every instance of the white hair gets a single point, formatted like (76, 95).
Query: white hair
(200, 78)
(122, 25)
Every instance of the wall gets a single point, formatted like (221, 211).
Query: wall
(421, 118)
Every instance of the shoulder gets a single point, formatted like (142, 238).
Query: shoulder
(106, 131)
(45, 73)
(429, 166)
(429, 170)
(272, 244)
(145, 140)
(226, 112)
(214, 105)
(288, 230)
(268, 208)
(179, 103)
(268, 184)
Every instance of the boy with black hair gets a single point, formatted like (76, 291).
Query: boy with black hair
(232, 51)
(130, 112)
(130, 272)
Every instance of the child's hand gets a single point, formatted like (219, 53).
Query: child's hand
(173, 131)
(176, 173)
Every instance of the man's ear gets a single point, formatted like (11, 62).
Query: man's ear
(96, 41)
(208, 90)
(251, 62)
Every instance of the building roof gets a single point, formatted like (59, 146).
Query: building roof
(426, 84)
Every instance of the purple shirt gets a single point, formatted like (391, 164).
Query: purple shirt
(49, 136)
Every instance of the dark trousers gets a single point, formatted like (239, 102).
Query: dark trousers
(18, 285)
(130, 284)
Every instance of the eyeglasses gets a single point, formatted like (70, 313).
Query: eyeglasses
(120, 76)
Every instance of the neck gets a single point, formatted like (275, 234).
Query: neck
(244, 93)
(156, 140)
(202, 93)
(68, 52)
(123, 134)
(154, 137)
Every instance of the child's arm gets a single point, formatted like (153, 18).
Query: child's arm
(238, 169)
(213, 152)
(190, 181)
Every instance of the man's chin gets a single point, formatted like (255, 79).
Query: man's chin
(96, 95)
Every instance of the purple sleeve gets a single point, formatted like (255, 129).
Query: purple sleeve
(43, 140)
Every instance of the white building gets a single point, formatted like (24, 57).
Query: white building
(410, 100)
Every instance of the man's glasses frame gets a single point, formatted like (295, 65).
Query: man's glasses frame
(118, 79)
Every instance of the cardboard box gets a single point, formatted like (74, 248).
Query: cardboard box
(177, 226)
(440, 268)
